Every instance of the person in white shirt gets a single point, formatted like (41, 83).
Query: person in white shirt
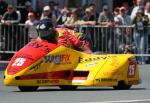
(147, 9)
(123, 17)
(135, 9)
(31, 23)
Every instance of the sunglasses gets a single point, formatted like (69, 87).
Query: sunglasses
(105, 9)
(10, 8)
(46, 11)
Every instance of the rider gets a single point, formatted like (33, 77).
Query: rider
(46, 31)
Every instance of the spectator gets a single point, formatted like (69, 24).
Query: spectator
(139, 3)
(117, 30)
(65, 10)
(24, 10)
(95, 15)
(31, 23)
(80, 12)
(106, 19)
(65, 13)
(147, 10)
(51, 4)
(39, 8)
(47, 12)
(11, 16)
(28, 7)
(128, 44)
(140, 32)
(128, 9)
(116, 13)
(88, 18)
(88, 15)
(3, 8)
(72, 20)
(124, 20)
(124, 17)
(9, 19)
(57, 10)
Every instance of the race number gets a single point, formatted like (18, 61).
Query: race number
(19, 62)
(131, 70)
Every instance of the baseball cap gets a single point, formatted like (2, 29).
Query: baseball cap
(87, 10)
(105, 7)
(123, 8)
(46, 8)
(31, 14)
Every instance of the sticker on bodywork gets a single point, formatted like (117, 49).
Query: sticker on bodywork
(131, 69)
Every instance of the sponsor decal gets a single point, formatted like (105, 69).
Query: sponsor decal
(133, 82)
(42, 47)
(91, 64)
(58, 59)
(83, 60)
(106, 80)
(37, 66)
(19, 62)
(27, 56)
(131, 69)
(47, 81)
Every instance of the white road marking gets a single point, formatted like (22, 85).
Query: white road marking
(122, 101)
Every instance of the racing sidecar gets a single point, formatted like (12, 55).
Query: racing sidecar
(40, 63)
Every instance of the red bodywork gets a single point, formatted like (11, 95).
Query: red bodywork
(27, 55)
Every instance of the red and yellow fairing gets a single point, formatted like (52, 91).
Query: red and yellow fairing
(41, 64)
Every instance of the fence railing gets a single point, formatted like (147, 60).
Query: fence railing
(13, 37)
(103, 39)
(120, 39)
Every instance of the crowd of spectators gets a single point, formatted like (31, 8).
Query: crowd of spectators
(138, 15)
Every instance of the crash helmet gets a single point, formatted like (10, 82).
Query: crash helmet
(46, 30)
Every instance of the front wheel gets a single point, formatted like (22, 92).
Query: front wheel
(68, 87)
(27, 88)
(122, 86)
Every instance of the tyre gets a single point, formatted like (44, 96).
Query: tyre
(122, 86)
(68, 87)
(27, 88)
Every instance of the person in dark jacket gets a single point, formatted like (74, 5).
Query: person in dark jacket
(9, 20)
(3, 8)
(140, 21)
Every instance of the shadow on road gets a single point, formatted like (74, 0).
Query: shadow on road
(83, 89)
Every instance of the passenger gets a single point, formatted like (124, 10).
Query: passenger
(47, 31)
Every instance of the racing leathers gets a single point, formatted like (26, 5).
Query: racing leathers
(71, 39)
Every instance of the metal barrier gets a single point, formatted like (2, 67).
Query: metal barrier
(103, 39)
(13, 37)
(113, 39)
